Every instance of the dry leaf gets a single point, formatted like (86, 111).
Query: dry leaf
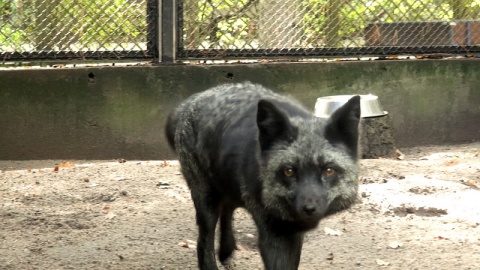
(452, 162)
(382, 262)
(106, 207)
(55, 169)
(395, 245)
(67, 164)
(330, 256)
(400, 155)
(188, 244)
(183, 244)
(163, 183)
(110, 215)
(470, 183)
(329, 231)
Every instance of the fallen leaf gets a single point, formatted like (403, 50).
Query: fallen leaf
(330, 256)
(395, 245)
(329, 231)
(188, 244)
(67, 164)
(470, 183)
(165, 163)
(400, 155)
(105, 207)
(182, 244)
(55, 169)
(110, 215)
(452, 162)
(382, 262)
(163, 183)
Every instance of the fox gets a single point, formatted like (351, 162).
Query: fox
(243, 145)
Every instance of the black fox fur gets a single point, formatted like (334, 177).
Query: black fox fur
(241, 145)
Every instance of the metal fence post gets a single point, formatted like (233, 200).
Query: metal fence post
(153, 29)
(168, 17)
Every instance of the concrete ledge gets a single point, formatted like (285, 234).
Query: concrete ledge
(119, 112)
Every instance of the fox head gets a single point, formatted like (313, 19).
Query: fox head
(309, 165)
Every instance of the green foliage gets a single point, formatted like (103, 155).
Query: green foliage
(218, 23)
(330, 23)
(356, 14)
(72, 24)
(27, 25)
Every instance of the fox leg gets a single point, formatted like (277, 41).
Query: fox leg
(279, 250)
(206, 200)
(227, 240)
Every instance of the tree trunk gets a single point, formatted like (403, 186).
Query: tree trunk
(332, 22)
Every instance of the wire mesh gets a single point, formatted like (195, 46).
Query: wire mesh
(219, 29)
(73, 29)
(263, 28)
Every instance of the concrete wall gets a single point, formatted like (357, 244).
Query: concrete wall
(119, 112)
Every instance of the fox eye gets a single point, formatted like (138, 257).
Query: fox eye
(329, 172)
(289, 172)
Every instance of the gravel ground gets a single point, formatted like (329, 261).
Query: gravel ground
(421, 211)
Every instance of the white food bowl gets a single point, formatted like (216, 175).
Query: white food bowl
(369, 105)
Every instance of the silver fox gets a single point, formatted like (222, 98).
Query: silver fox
(242, 145)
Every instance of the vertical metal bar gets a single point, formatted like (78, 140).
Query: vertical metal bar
(168, 31)
(153, 40)
(468, 30)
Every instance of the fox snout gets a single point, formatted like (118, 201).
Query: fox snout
(312, 203)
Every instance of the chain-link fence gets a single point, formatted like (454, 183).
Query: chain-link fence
(74, 29)
(221, 29)
(262, 28)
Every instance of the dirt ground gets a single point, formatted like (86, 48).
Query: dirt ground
(418, 212)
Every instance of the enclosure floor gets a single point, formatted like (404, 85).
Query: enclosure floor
(419, 212)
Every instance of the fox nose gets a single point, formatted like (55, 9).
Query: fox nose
(309, 209)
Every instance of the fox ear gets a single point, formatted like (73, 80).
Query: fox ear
(342, 126)
(273, 125)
